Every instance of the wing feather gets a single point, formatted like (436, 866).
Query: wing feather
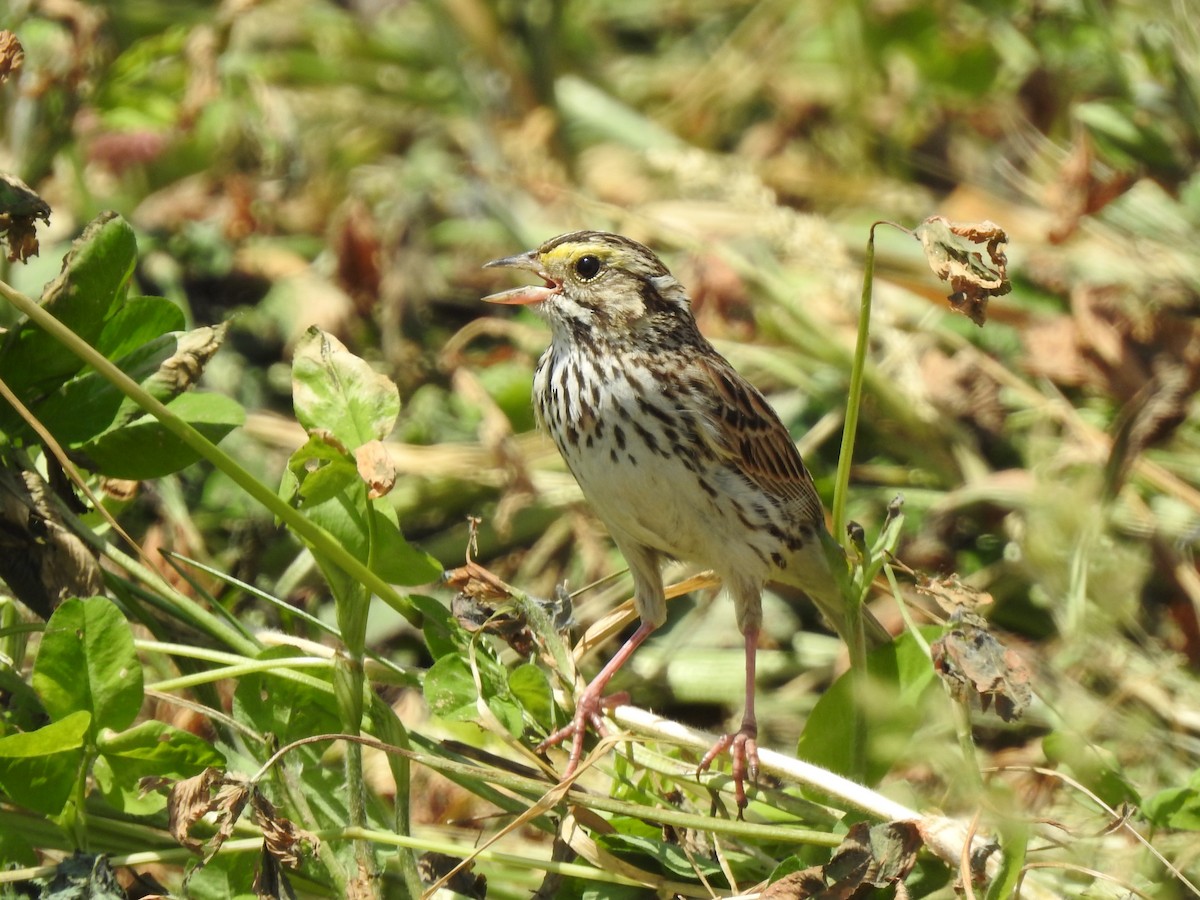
(746, 430)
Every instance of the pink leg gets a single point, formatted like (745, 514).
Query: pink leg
(590, 702)
(742, 745)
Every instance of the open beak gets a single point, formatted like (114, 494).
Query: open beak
(523, 295)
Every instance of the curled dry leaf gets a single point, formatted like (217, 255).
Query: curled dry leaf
(485, 603)
(956, 253)
(12, 55)
(376, 468)
(228, 804)
(188, 802)
(193, 350)
(973, 663)
(433, 867)
(282, 838)
(869, 858)
(42, 561)
(796, 885)
(20, 208)
(952, 595)
(873, 856)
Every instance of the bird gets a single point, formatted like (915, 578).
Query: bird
(677, 453)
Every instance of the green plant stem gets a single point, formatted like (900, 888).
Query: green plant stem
(856, 643)
(854, 394)
(317, 537)
(536, 788)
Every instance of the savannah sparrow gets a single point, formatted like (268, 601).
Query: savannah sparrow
(679, 455)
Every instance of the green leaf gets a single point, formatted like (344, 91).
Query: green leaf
(509, 714)
(87, 405)
(529, 685)
(87, 662)
(65, 734)
(90, 288)
(39, 769)
(1176, 807)
(16, 850)
(321, 469)
(395, 560)
(284, 708)
(450, 690)
(123, 796)
(151, 748)
(1096, 767)
(139, 321)
(335, 390)
(160, 749)
(442, 634)
(145, 449)
(899, 676)
(670, 857)
(227, 876)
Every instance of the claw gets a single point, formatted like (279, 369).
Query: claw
(743, 752)
(587, 711)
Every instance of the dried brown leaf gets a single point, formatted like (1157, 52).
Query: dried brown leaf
(1082, 189)
(41, 560)
(872, 857)
(20, 208)
(188, 802)
(12, 55)
(485, 603)
(270, 880)
(282, 838)
(376, 468)
(796, 885)
(953, 250)
(433, 867)
(193, 350)
(952, 595)
(973, 663)
(228, 805)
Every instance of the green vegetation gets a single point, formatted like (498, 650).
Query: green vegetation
(251, 409)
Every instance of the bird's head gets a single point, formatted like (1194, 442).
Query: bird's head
(597, 281)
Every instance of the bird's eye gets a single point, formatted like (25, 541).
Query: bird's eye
(587, 267)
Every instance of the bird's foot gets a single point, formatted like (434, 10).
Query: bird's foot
(587, 712)
(743, 750)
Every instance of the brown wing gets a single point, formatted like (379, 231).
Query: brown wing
(747, 430)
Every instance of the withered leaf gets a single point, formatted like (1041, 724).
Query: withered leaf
(872, 857)
(228, 805)
(796, 886)
(20, 208)
(41, 560)
(282, 838)
(376, 468)
(485, 603)
(193, 350)
(956, 253)
(433, 867)
(187, 803)
(12, 55)
(952, 595)
(973, 663)
(270, 880)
